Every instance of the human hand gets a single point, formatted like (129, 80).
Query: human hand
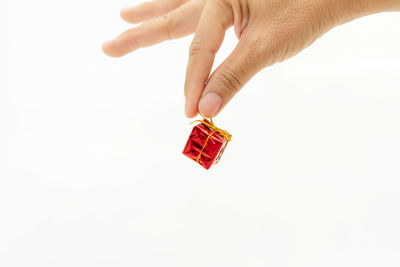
(269, 31)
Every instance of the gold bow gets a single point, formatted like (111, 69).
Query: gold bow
(210, 124)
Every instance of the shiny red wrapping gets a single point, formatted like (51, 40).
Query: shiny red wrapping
(213, 150)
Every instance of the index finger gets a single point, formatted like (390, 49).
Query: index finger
(216, 18)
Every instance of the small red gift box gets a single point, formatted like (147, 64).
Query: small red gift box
(206, 143)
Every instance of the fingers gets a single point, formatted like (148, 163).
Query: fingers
(244, 62)
(214, 21)
(176, 24)
(149, 10)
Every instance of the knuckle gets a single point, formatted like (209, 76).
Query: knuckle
(167, 21)
(228, 79)
(195, 47)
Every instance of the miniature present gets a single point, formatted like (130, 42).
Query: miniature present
(206, 143)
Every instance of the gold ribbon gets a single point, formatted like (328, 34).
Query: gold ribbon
(210, 124)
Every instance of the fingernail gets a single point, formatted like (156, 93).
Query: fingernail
(210, 104)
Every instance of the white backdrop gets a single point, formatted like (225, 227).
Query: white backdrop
(91, 171)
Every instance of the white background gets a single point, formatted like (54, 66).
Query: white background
(91, 171)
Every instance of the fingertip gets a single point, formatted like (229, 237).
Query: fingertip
(190, 108)
(210, 104)
(128, 15)
(124, 13)
(191, 115)
(111, 49)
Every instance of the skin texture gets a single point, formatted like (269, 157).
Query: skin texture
(269, 31)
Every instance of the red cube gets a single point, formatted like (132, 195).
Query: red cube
(206, 144)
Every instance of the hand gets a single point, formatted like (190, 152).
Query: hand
(269, 31)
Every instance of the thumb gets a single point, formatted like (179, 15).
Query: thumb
(240, 66)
